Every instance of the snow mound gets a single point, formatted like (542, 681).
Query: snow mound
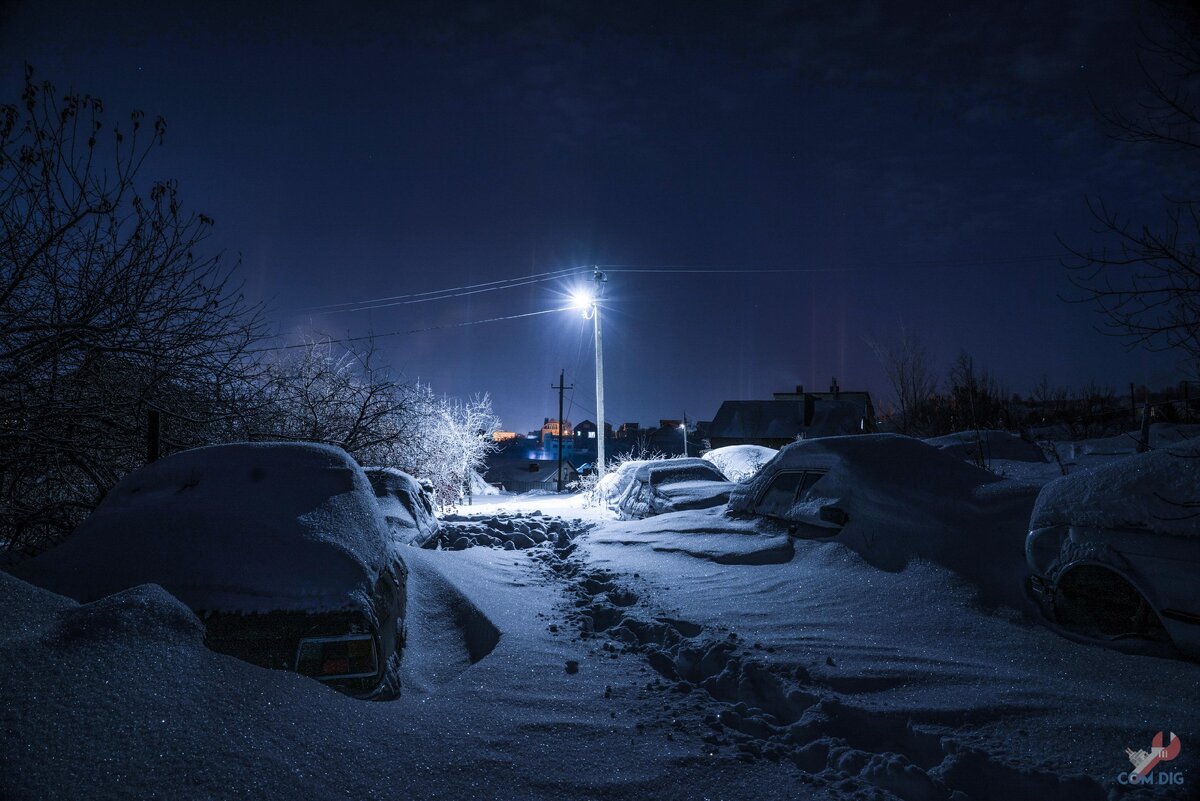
(146, 611)
(988, 445)
(235, 528)
(479, 486)
(740, 462)
(1154, 491)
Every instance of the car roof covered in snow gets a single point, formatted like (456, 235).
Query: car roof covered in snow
(1157, 491)
(906, 499)
(672, 471)
(246, 527)
(990, 444)
(891, 463)
(616, 481)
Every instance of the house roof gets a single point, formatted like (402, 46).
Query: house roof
(504, 469)
(773, 419)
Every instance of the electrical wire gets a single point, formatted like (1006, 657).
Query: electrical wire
(714, 269)
(442, 294)
(411, 330)
(730, 268)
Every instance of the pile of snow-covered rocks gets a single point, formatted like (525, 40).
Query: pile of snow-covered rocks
(506, 531)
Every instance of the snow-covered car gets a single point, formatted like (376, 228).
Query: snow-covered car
(406, 504)
(672, 485)
(892, 499)
(279, 548)
(1115, 551)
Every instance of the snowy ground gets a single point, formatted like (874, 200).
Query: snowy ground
(685, 656)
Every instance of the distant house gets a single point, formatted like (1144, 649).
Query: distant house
(862, 400)
(790, 416)
(667, 438)
(513, 473)
(628, 431)
(585, 436)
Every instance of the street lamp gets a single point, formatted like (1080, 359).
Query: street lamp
(588, 302)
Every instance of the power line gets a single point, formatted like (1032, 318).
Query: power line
(411, 330)
(442, 294)
(749, 268)
(711, 269)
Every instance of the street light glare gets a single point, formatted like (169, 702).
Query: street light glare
(582, 299)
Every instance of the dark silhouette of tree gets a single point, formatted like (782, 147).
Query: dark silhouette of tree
(1145, 279)
(909, 371)
(108, 309)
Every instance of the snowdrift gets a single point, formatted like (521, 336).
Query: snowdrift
(234, 528)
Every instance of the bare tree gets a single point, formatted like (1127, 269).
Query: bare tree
(906, 364)
(323, 392)
(107, 309)
(1145, 279)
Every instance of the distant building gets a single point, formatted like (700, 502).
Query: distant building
(791, 416)
(835, 393)
(628, 431)
(504, 436)
(550, 438)
(585, 436)
(513, 473)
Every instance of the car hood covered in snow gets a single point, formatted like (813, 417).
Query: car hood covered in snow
(233, 528)
(1156, 491)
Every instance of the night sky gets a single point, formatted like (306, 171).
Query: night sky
(926, 160)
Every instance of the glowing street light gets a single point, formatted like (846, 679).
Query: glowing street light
(587, 300)
(583, 299)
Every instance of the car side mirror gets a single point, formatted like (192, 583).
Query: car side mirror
(835, 515)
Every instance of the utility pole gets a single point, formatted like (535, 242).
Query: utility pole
(685, 453)
(600, 279)
(560, 388)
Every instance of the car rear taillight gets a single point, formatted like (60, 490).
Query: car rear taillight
(351, 656)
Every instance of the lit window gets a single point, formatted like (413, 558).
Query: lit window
(591, 435)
